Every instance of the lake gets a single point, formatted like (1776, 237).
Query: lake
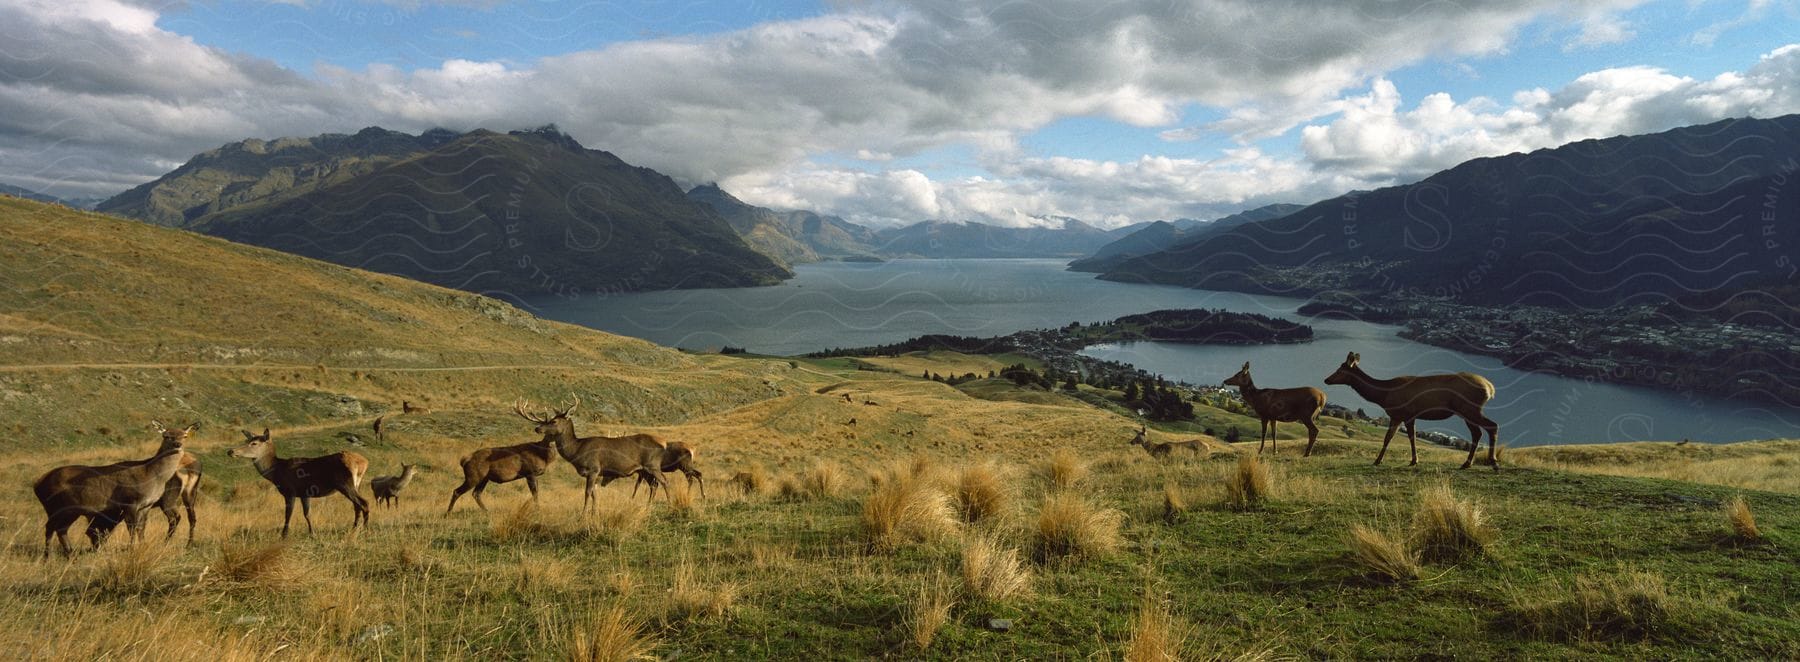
(847, 304)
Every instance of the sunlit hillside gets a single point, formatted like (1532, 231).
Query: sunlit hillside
(852, 509)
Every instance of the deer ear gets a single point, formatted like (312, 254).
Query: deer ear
(158, 425)
(265, 435)
(247, 435)
(1246, 366)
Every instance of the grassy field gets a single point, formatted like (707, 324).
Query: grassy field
(885, 515)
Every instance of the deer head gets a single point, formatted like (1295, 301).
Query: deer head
(256, 446)
(1347, 371)
(174, 438)
(1242, 378)
(1138, 439)
(556, 423)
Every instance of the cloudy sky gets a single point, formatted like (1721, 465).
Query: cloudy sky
(886, 112)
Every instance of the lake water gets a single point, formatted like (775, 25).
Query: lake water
(842, 304)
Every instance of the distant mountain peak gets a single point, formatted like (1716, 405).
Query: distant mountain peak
(553, 134)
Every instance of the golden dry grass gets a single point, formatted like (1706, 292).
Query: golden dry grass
(610, 634)
(1741, 520)
(992, 571)
(1381, 555)
(691, 597)
(1772, 466)
(1064, 469)
(268, 564)
(982, 494)
(928, 611)
(824, 480)
(1173, 502)
(1069, 526)
(1247, 486)
(1631, 604)
(906, 508)
(1156, 634)
(1448, 529)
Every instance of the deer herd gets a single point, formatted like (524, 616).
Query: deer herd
(123, 492)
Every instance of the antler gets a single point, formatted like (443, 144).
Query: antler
(519, 408)
(575, 401)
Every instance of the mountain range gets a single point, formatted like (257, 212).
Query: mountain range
(520, 213)
(1159, 235)
(1701, 216)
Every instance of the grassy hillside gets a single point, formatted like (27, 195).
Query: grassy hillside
(854, 540)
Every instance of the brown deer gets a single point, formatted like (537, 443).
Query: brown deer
(505, 464)
(1161, 449)
(178, 494)
(304, 478)
(1430, 397)
(407, 407)
(1301, 405)
(123, 489)
(678, 456)
(387, 488)
(603, 459)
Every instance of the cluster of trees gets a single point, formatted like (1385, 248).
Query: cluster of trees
(1211, 326)
(954, 379)
(1158, 401)
(926, 343)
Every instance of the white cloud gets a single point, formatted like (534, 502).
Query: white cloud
(96, 81)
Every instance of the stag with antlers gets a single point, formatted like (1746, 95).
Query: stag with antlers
(602, 459)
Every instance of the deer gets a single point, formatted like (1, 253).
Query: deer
(1429, 397)
(504, 464)
(387, 488)
(304, 478)
(179, 493)
(1272, 405)
(1162, 449)
(678, 456)
(407, 407)
(603, 459)
(122, 489)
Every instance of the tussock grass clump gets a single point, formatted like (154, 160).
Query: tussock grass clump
(753, 481)
(1628, 605)
(991, 571)
(412, 558)
(1156, 635)
(1247, 486)
(981, 493)
(825, 480)
(546, 573)
(522, 522)
(609, 635)
(1741, 520)
(928, 611)
(1068, 526)
(906, 508)
(683, 500)
(1448, 529)
(1174, 504)
(132, 567)
(1064, 469)
(689, 598)
(612, 519)
(1383, 556)
(272, 564)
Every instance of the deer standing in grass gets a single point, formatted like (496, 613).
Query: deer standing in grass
(1301, 405)
(387, 488)
(304, 478)
(505, 464)
(123, 489)
(177, 495)
(603, 459)
(1161, 450)
(1428, 397)
(678, 456)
